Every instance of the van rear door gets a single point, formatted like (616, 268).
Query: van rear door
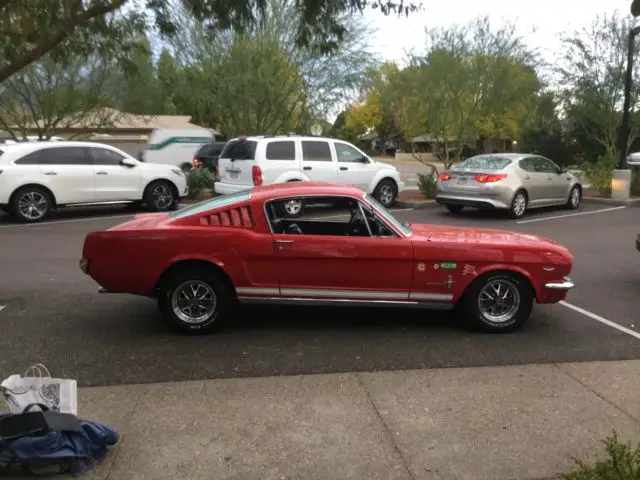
(236, 162)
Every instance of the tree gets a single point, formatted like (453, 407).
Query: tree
(474, 81)
(382, 95)
(49, 97)
(324, 80)
(169, 81)
(31, 29)
(592, 83)
(140, 91)
(341, 130)
(543, 131)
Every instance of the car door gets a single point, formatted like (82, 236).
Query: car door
(558, 181)
(534, 181)
(113, 180)
(330, 266)
(68, 173)
(318, 162)
(355, 167)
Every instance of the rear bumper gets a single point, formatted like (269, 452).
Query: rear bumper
(469, 201)
(223, 188)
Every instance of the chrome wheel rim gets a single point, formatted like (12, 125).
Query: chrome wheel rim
(293, 207)
(519, 204)
(32, 205)
(386, 194)
(575, 197)
(193, 302)
(499, 301)
(162, 196)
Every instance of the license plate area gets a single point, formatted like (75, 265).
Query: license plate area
(461, 181)
(233, 173)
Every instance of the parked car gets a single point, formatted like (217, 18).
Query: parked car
(633, 160)
(512, 181)
(207, 155)
(247, 162)
(176, 146)
(200, 259)
(38, 177)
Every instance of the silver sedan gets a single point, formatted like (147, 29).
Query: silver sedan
(511, 181)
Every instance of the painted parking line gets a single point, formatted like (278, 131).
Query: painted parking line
(58, 222)
(602, 210)
(600, 319)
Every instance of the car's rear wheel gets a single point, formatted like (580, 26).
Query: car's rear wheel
(31, 204)
(386, 192)
(498, 302)
(575, 197)
(192, 300)
(519, 204)
(160, 196)
(454, 208)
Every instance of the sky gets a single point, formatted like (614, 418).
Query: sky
(540, 22)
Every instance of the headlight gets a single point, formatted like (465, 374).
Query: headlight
(177, 172)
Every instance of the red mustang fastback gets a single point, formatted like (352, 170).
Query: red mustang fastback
(322, 244)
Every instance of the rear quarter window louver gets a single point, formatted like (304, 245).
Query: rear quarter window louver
(240, 217)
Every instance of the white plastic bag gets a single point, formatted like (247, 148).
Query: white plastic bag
(37, 386)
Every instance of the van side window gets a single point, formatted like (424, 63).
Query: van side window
(281, 150)
(316, 151)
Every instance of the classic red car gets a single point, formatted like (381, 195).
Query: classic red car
(322, 244)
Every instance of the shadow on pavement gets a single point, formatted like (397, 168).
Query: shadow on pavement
(73, 213)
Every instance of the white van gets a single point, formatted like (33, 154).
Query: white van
(246, 162)
(175, 146)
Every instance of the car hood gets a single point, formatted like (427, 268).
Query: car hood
(468, 235)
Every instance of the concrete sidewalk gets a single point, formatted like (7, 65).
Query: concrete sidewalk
(495, 423)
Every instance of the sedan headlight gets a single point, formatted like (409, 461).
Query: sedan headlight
(177, 172)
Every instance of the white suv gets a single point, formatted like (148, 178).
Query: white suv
(246, 162)
(37, 177)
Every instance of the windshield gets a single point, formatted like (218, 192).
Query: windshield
(484, 162)
(212, 203)
(387, 214)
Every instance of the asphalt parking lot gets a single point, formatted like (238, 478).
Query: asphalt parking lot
(51, 313)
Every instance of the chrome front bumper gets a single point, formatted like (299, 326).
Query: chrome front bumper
(566, 284)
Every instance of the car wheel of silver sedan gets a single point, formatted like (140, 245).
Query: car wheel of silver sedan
(575, 196)
(498, 302)
(519, 204)
(192, 299)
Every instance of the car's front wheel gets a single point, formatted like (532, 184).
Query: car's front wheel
(497, 302)
(386, 192)
(31, 204)
(575, 196)
(160, 196)
(192, 300)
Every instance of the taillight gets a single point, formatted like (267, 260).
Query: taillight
(490, 178)
(196, 162)
(256, 174)
(444, 177)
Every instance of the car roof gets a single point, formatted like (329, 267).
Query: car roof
(276, 190)
(256, 138)
(16, 150)
(510, 156)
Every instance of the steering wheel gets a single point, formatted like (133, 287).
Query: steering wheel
(294, 229)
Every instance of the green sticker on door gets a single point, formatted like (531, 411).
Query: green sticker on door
(448, 265)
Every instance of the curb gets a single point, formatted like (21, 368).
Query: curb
(420, 205)
(611, 201)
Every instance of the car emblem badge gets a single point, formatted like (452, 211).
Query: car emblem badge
(448, 265)
(450, 281)
(421, 267)
(436, 266)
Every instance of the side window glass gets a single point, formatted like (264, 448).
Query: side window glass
(102, 156)
(281, 150)
(316, 151)
(347, 154)
(526, 164)
(550, 166)
(65, 156)
(33, 158)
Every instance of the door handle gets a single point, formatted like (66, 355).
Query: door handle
(101, 173)
(344, 168)
(307, 168)
(527, 177)
(50, 173)
(279, 243)
(549, 178)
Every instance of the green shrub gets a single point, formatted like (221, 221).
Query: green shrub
(635, 182)
(601, 172)
(622, 463)
(199, 180)
(427, 184)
